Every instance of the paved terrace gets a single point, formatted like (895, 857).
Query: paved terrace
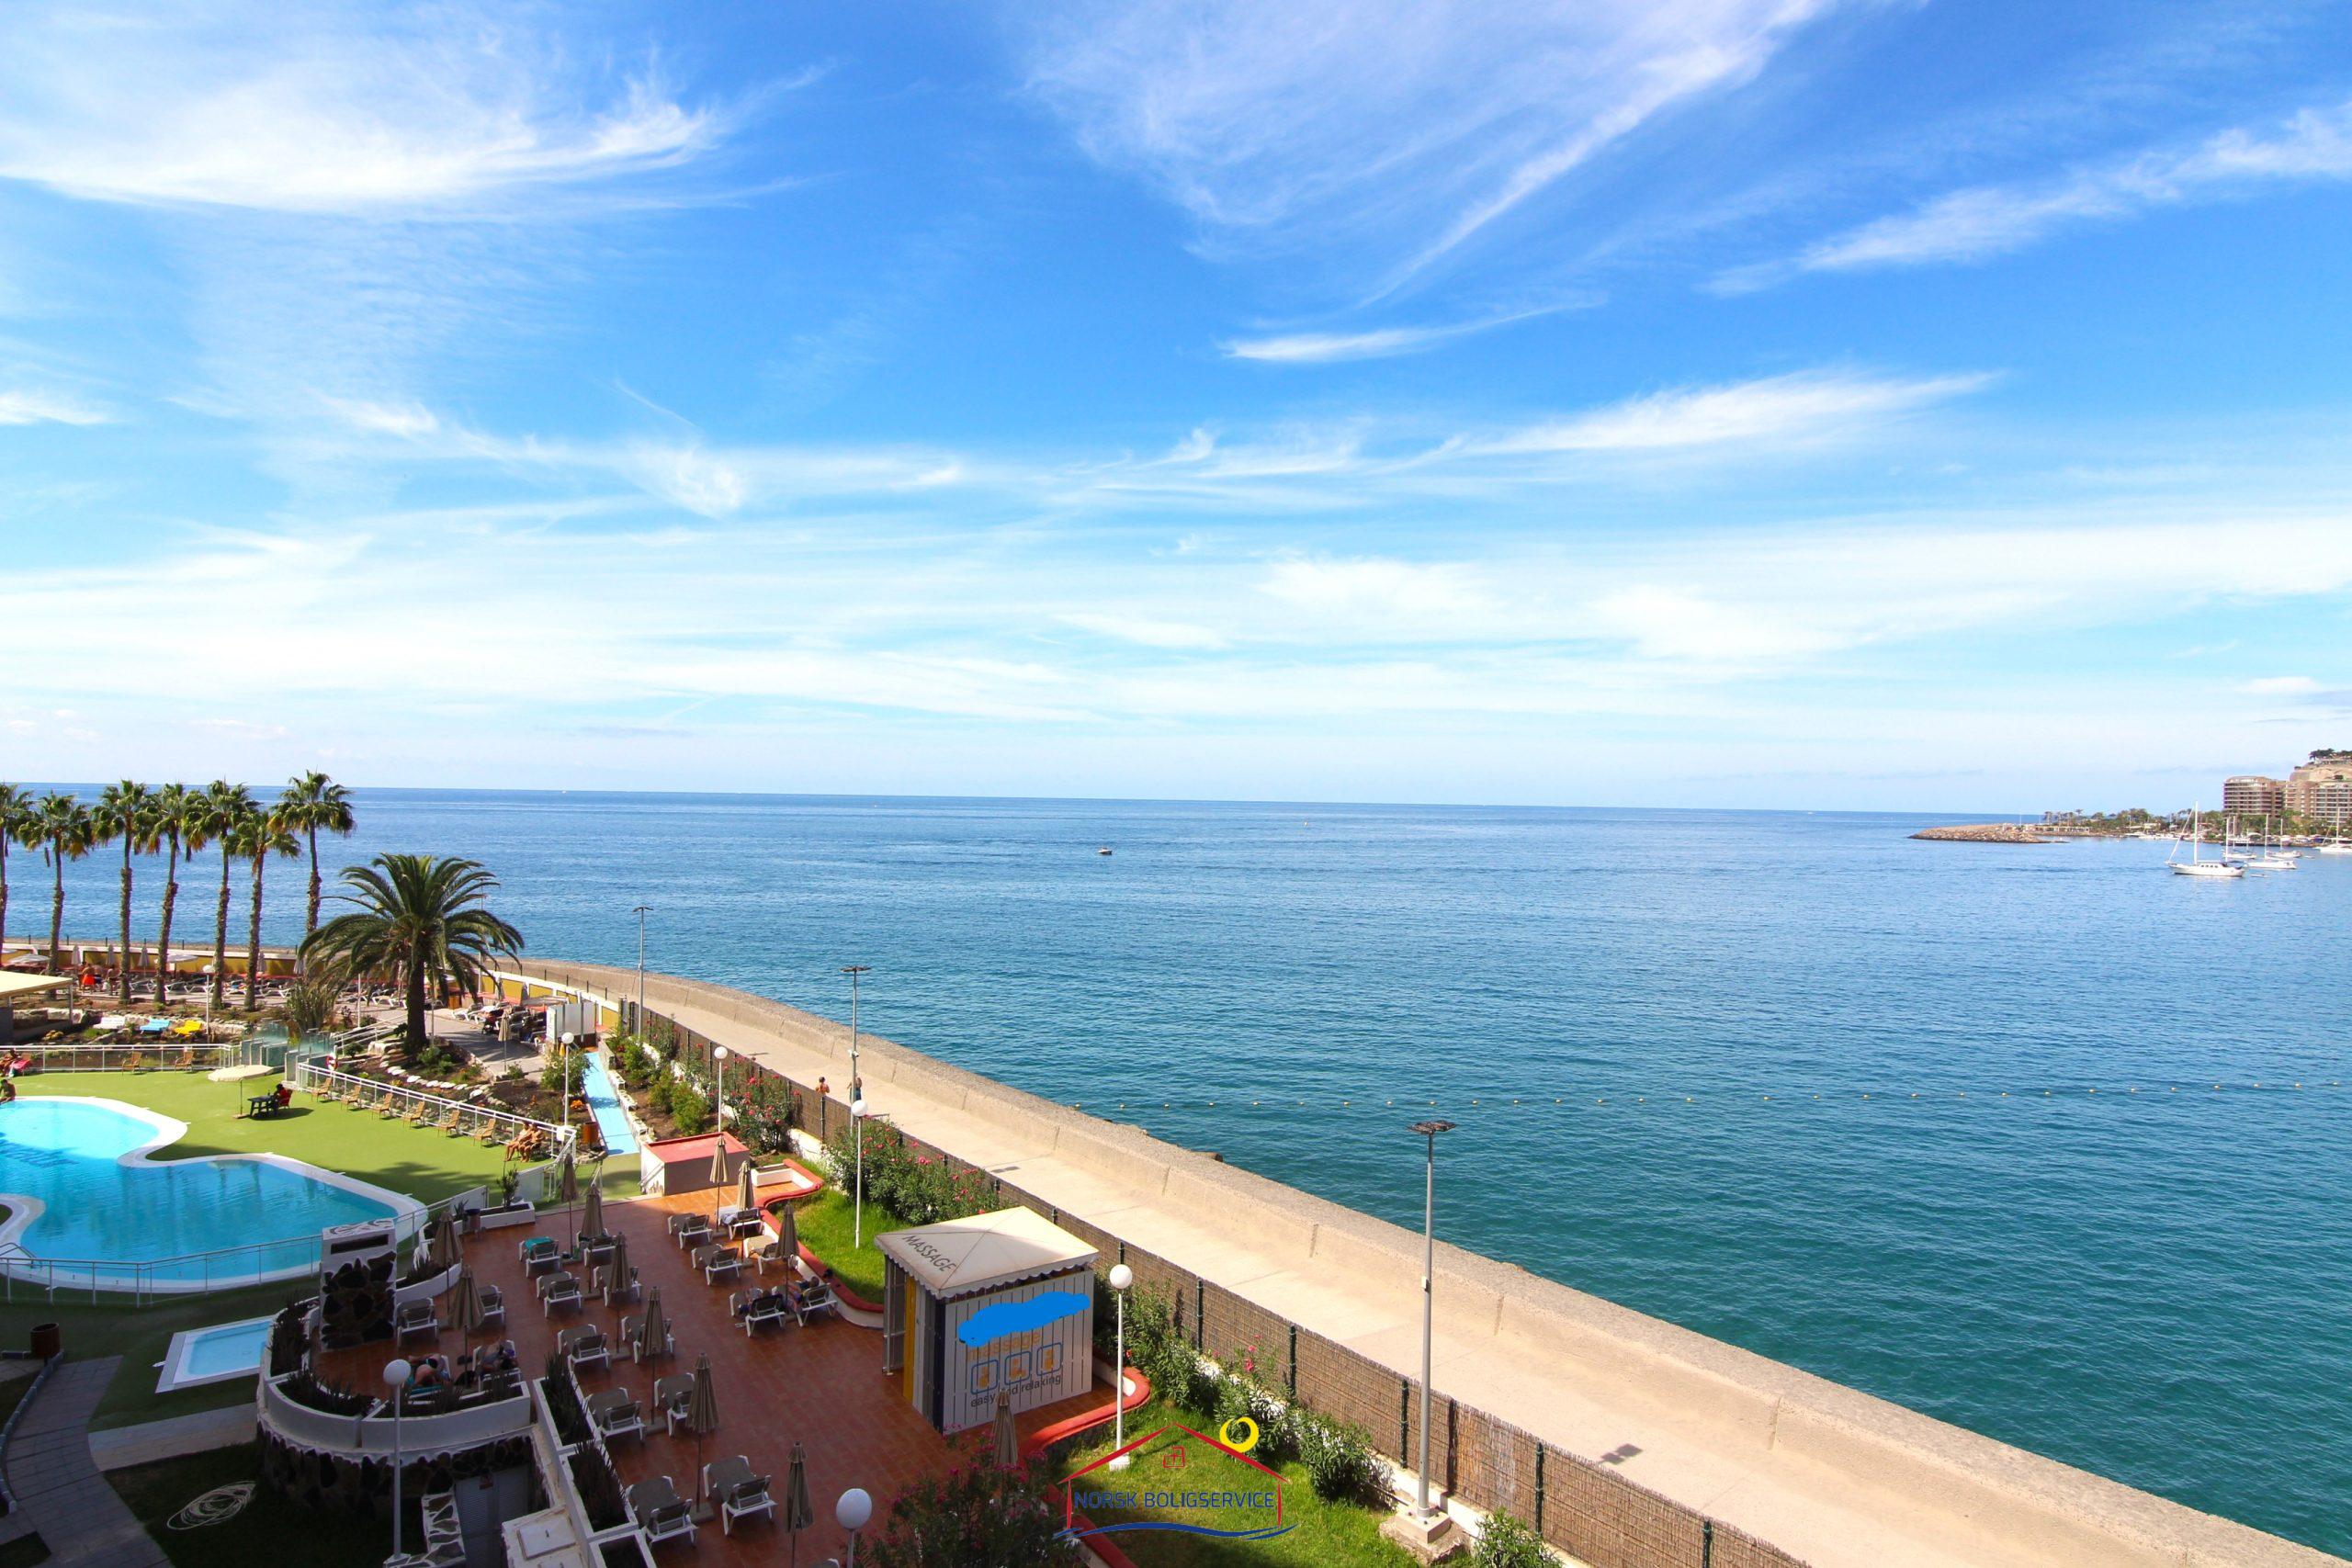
(822, 1383)
(1833, 1475)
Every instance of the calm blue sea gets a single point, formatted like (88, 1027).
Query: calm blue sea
(2155, 1285)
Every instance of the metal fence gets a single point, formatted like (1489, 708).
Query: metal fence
(423, 1106)
(1583, 1505)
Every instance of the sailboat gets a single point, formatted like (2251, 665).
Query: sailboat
(2274, 858)
(2195, 864)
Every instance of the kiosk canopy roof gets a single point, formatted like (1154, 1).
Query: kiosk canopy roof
(956, 1258)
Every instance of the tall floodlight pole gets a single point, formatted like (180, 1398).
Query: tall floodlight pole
(640, 913)
(719, 1116)
(857, 1115)
(1428, 1533)
(856, 1085)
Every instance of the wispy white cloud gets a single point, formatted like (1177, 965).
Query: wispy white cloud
(1802, 406)
(321, 109)
(2281, 686)
(1147, 632)
(27, 406)
(1988, 220)
(385, 419)
(1393, 128)
(1381, 342)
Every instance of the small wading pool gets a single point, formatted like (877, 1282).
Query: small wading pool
(216, 1354)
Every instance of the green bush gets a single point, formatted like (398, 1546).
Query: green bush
(763, 1110)
(978, 1515)
(1508, 1541)
(657, 1093)
(1339, 1459)
(689, 1110)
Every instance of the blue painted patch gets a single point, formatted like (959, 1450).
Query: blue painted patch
(1007, 1318)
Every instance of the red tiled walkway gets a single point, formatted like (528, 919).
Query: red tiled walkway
(821, 1384)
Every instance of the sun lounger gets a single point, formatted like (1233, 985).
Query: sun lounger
(557, 1290)
(659, 1511)
(633, 1336)
(493, 1307)
(615, 1291)
(584, 1347)
(617, 1414)
(815, 1295)
(696, 1232)
(738, 1492)
(717, 1263)
(672, 1396)
(757, 1308)
(415, 1317)
(538, 1252)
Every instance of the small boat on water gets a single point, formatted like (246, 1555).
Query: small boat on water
(2336, 847)
(2195, 864)
(1104, 851)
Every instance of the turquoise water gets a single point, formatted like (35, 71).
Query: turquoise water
(96, 1209)
(604, 1100)
(2149, 1285)
(232, 1348)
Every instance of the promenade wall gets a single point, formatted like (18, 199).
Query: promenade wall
(1753, 1464)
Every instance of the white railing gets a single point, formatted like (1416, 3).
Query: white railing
(425, 1107)
(165, 1054)
(369, 1435)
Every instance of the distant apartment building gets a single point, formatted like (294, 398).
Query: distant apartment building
(2251, 794)
(2321, 788)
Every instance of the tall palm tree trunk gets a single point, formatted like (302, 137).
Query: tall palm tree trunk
(221, 932)
(3, 889)
(57, 908)
(253, 946)
(129, 831)
(311, 921)
(415, 1001)
(163, 937)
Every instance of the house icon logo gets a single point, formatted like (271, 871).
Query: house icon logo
(1178, 1480)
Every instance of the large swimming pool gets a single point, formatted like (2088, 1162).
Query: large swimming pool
(87, 1202)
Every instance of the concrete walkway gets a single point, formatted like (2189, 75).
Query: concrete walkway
(57, 1485)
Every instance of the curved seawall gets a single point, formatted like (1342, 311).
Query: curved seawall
(1637, 1442)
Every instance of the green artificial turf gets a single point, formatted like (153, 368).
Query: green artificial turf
(824, 1222)
(1322, 1535)
(139, 1336)
(269, 1529)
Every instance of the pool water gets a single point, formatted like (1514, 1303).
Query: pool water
(214, 1355)
(603, 1097)
(109, 1214)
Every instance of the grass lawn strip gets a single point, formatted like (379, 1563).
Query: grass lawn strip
(824, 1222)
(269, 1529)
(1323, 1535)
(139, 1336)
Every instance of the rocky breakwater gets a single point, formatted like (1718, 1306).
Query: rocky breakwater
(1987, 833)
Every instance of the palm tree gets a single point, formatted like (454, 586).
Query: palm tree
(313, 801)
(126, 811)
(179, 823)
(419, 917)
(16, 817)
(264, 834)
(223, 811)
(61, 826)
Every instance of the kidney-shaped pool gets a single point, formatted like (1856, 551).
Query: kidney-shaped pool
(90, 1207)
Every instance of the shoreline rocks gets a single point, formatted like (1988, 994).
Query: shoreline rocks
(1987, 833)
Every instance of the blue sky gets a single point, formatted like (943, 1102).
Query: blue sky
(1778, 402)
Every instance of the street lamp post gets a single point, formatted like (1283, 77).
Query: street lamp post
(857, 1115)
(640, 913)
(718, 1112)
(396, 1376)
(1429, 1534)
(856, 1085)
(1121, 1277)
(851, 1513)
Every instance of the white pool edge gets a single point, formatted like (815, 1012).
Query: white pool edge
(24, 1210)
(175, 1355)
